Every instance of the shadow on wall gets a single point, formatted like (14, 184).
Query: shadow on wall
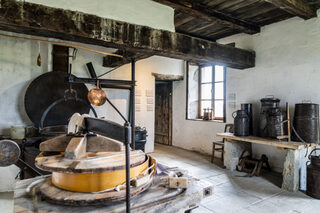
(12, 107)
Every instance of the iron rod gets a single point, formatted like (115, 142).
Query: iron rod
(73, 79)
(133, 79)
(127, 143)
(115, 108)
(108, 86)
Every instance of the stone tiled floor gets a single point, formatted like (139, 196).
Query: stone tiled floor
(233, 193)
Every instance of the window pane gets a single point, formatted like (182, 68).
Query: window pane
(219, 73)
(206, 74)
(218, 91)
(218, 109)
(206, 91)
(205, 105)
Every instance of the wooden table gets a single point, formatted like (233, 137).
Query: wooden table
(156, 199)
(294, 167)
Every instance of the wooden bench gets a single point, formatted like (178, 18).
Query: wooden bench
(294, 167)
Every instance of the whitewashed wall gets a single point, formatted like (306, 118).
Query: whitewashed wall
(287, 66)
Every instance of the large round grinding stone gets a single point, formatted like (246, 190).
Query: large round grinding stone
(9, 152)
(48, 88)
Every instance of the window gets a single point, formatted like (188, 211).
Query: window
(206, 91)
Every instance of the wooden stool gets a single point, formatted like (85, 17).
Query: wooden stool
(220, 144)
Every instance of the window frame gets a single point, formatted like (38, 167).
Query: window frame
(213, 84)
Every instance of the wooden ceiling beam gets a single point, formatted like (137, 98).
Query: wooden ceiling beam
(295, 7)
(198, 10)
(39, 20)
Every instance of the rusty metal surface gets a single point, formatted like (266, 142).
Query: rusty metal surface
(46, 89)
(9, 152)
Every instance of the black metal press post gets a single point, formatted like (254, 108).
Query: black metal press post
(133, 107)
(127, 141)
(130, 133)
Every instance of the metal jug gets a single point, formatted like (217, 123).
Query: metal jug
(241, 123)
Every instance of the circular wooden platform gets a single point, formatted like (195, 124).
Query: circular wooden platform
(93, 162)
(56, 195)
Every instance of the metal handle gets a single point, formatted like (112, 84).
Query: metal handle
(312, 152)
(45, 113)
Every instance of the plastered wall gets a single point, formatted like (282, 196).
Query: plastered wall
(287, 66)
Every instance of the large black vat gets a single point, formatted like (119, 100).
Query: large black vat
(241, 123)
(313, 175)
(306, 122)
(274, 123)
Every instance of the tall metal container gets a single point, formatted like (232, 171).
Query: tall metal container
(306, 122)
(248, 109)
(241, 123)
(266, 104)
(274, 123)
(313, 175)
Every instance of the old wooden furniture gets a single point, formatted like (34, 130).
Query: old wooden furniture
(220, 144)
(294, 167)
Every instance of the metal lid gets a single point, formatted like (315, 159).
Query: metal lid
(276, 100)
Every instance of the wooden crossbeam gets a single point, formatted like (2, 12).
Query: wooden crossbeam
(195, 9)
(39, 20)
(295, 7)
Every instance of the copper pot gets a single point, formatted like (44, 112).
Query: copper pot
(97, 96)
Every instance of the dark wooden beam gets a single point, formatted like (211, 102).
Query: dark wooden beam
(112, 61)
(39, 20)
(295, 7)
(197, 10)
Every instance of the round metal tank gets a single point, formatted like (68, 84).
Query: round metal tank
(306, 122)
(241, 123)
(313, 175)
(248, 109)
(274, 123)
(266, 104)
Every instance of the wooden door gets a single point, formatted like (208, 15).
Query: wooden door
(163, 112)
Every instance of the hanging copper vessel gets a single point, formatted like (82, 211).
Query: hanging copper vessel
(97, 96)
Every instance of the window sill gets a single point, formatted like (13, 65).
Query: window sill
(198, 119)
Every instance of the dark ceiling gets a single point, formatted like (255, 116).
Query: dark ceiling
(255, 13)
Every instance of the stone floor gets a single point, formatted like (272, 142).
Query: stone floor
(232, 193)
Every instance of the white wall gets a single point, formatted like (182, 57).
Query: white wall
(141, 12)
(287, 66)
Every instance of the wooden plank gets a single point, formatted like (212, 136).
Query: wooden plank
(197, 10)
(76, 148)
(163, 77)
(295, 7)
(39, 20)
(93, 162)
(95, 143)
(269, 142)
